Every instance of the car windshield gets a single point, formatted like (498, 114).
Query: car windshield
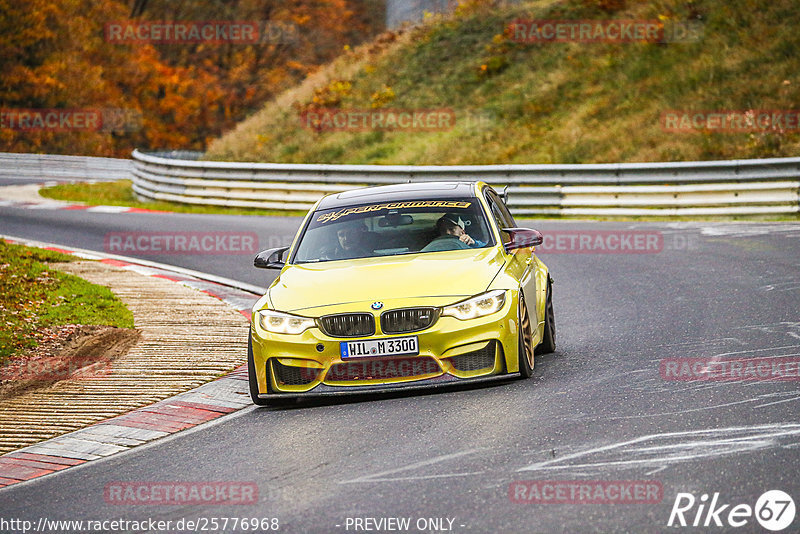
(393, 228)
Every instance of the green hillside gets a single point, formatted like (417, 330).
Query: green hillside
(547, 102)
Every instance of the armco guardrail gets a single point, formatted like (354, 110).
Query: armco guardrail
(50, 167)
(740, 187)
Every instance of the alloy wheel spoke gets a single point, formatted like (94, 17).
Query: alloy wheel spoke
(527, 335)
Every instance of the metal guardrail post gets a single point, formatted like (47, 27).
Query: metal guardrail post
(50, 167)
(764, 186)
(738, 187)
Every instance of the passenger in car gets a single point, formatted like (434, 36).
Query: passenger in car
(452, 235)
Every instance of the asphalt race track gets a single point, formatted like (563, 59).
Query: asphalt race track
(602, 408)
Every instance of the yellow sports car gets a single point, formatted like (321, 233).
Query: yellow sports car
(400, 286)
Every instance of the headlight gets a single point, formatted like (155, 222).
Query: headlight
(283, 323)
(478, 306)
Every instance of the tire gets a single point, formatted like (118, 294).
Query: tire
(525, 352)
(548, 343)
(251, 375)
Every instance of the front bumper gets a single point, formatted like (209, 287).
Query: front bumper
(450, 351)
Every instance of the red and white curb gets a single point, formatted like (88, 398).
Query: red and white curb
(55, 205)
(239, 295)
(118, 434)
(186, 410)
(32, 201)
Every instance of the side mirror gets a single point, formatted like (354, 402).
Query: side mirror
(270, 259)
(522, 238)
(504, 195)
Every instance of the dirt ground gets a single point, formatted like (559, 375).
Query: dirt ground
(69, 351)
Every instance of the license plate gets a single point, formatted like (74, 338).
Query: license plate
(380, 347)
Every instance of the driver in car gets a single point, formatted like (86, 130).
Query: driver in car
(350, 242)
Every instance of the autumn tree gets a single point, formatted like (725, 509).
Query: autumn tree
(55, 54)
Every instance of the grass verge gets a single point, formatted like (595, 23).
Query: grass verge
(546, 102)
(120, 193)
(34, 297)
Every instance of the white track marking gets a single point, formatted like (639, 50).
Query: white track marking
(424, 463)
(777, 402)
(421, 477)
(675, 447)
(654, 471)
(681, 412)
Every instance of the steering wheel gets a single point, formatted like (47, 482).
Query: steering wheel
(446, 242)
(328, 254)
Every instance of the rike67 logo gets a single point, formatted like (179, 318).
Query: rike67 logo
(774, 510)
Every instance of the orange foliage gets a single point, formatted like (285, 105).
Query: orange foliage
(54, 55)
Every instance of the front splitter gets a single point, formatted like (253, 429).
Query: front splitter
(438, 382)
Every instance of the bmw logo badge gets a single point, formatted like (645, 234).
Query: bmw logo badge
(377, 305)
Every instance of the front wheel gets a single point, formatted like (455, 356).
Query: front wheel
(525, 351)
(548, 343)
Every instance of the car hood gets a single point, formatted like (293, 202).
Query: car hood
(459, 273)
